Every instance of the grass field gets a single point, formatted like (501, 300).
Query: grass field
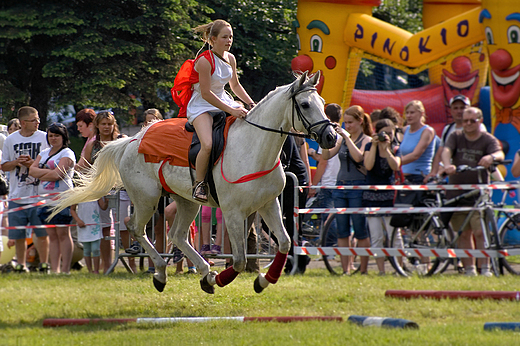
(26, 300)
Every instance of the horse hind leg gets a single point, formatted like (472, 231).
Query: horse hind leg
(273, 218)
(143, 211)
(235, 227)
(178, 234)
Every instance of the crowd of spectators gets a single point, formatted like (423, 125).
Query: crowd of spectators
(386, 148)
(382, 148)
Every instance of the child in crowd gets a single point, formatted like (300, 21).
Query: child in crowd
(89, 230)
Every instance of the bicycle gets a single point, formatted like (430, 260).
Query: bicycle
(335, 267)
(429, 231)
(508, 236)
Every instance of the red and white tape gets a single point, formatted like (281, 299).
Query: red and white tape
(29, 197)
(428, 187)
(393, 210)
(53, 226)
(397, 252)
(27, 206)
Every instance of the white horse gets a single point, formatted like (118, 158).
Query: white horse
(249, 149)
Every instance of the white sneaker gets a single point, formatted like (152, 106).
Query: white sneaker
(486, 272)
(471, 272)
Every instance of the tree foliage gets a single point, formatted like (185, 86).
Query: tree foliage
(405, 14)
(93, 52)
(122, 54)
(264, 40)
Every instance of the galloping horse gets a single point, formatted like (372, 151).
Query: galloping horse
(249, 149)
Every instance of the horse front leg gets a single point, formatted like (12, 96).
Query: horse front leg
(272, 216)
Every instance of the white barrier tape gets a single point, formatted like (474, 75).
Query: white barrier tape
(28, 206)
(29, 197)
(375, 211)
(507, 210)
(427, 187)
(396, 252)
(53, 226)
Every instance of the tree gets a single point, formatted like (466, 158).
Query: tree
(93, 52)
(264, 40)
(407, 15)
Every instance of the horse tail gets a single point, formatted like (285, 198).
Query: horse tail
(98, 180)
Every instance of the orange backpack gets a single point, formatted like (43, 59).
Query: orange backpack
(186, 77)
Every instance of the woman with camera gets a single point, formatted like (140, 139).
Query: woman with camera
(381, 161)
(349, 148)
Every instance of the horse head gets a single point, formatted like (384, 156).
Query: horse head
(309, 109)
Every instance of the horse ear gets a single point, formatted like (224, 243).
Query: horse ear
(303, 78)
(314, 80)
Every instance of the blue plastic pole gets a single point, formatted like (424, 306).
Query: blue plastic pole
(382, 322)
(502, 326)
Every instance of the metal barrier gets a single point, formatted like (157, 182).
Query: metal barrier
(398, 252)
(114, 203)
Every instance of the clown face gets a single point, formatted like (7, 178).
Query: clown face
(320, 30)
(502, 31)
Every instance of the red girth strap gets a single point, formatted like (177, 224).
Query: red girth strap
(248, 177)
(162, 180)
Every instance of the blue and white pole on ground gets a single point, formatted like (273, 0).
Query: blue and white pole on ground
(387, 322)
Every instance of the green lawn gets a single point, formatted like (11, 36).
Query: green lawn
(26, 300)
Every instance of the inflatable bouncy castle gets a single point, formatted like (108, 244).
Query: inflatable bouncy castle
(464, 44)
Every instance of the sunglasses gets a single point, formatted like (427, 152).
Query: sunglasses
(471, 121)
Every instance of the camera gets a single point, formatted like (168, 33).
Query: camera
(382, 136)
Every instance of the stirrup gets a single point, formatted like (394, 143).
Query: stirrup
(200, 192)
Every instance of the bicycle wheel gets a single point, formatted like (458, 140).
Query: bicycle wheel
(329, 238)
(440, 237)
(401, 264)
(312, 225)
(420, 237)
(509, 235)
(492, 237)
(440, 264)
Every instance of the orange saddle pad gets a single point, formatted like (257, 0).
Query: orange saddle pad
(168, 140)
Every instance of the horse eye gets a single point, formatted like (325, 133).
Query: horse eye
(305, 105)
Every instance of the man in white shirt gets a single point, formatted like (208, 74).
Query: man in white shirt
(18, 154)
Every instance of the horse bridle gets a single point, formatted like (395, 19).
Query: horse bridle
(308, 126)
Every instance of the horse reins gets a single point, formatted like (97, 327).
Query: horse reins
(301, 117)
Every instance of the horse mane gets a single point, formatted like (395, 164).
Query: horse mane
(142, 131)
(292, 89)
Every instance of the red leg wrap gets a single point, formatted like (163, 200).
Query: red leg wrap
(275, 270)
(226, 276)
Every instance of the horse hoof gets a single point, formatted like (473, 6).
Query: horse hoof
(206, 287)
(257, 286)
(159, 286)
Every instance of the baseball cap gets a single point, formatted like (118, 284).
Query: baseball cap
(462, 98)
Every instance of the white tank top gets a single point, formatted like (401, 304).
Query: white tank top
(221, 76)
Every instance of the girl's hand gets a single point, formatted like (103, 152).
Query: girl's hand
(239, 112)
(81, 224)
(342, 132)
